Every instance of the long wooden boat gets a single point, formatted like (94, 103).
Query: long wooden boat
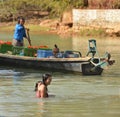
(85, 65)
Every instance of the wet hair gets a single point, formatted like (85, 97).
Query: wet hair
(36, 85)
(45, 77)
(20, 18)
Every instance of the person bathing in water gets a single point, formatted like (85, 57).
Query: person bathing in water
(41, 86)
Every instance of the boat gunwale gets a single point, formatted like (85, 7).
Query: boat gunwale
(45, 59)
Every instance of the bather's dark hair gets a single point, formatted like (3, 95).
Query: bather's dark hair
(45, 77)
(36, 85)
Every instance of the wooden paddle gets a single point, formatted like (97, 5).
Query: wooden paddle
(29, 41)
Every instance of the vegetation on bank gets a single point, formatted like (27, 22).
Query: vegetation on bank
(54, 8)
(93, 32)
(48, 9)
(33, 28)
(10, 9)
(39, 29)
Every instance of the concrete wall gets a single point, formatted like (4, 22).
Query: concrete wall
(97, 18)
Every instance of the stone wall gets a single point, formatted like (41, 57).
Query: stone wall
(108, 19)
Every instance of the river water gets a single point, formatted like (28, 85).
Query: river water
(74, 95)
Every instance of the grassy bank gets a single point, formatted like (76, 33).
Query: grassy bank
(36, 28)
(93, 32)
(33, 28)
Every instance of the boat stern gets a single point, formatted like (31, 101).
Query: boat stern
(97, 65)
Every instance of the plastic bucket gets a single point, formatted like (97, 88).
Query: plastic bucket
(48, 53)
(41, 53)
(44, 53)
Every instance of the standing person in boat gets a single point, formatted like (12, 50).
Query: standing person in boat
(20, 33)
(55, 50)
(41, 86)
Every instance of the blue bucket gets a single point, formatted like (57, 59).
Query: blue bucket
(41, 53)
(49, 53)
(44, 53)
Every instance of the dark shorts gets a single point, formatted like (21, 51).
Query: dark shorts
(17, 42)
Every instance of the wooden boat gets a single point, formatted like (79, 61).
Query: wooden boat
(85, 65)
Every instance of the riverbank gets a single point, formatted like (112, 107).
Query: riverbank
(45, 26)
(56, 27)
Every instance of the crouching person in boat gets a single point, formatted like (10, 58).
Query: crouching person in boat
(55, 50)
(41, 86)
(20, 33)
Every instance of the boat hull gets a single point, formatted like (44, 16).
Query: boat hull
(81, 65)
(89, 69)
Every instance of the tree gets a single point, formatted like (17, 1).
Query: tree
(85, 2)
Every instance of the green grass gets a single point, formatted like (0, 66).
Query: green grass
(37, 28)
(40, 29)
(33, 28)
(7, 28)
(92, 32)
